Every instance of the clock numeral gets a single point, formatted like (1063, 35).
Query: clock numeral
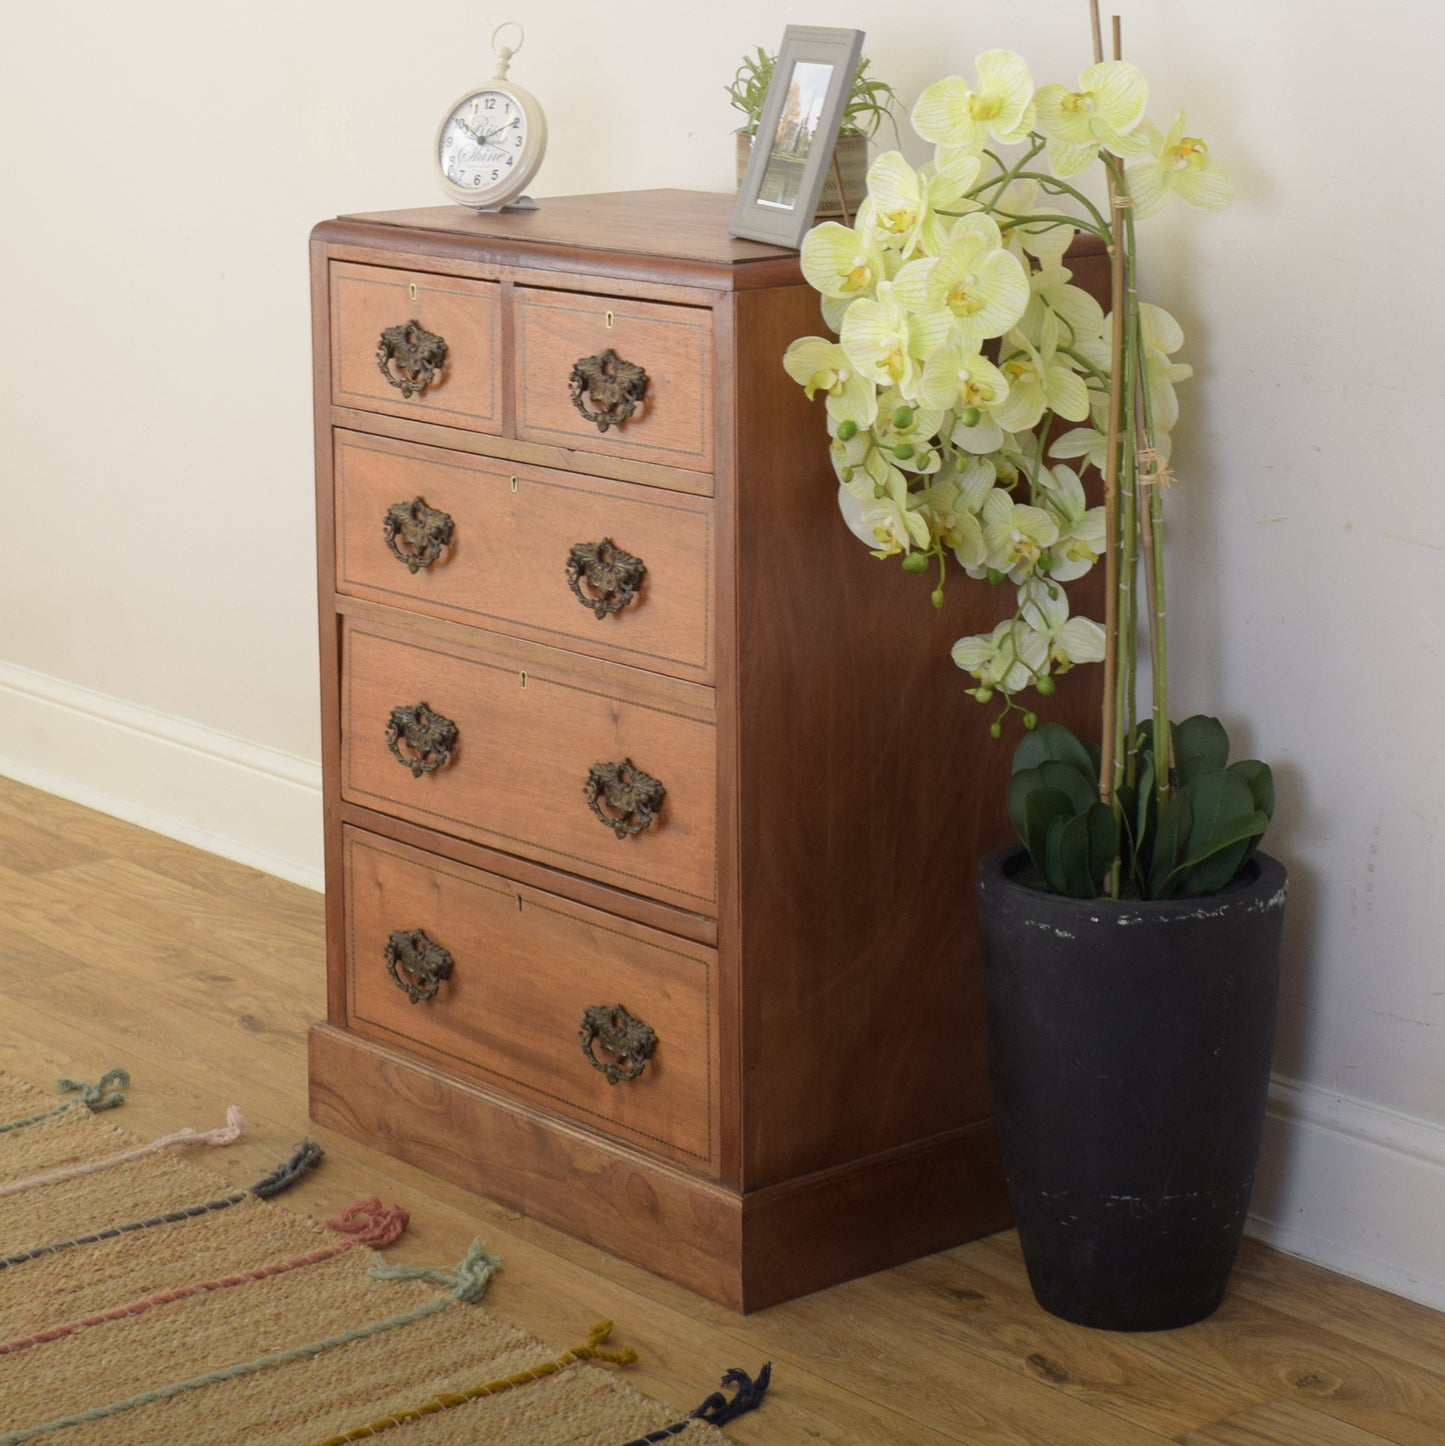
(491, 102)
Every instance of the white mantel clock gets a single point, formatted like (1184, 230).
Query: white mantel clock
(491, 141)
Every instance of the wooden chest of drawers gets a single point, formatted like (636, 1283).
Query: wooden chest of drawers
(727, 1024)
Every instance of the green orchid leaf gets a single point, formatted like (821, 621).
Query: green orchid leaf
(1200, 746)
(1139, 808)
(1072, 855)
(1222, 815)
(1245, 830)
(1054, 871)
(1210, 875)
(1103, 829)
(1171, 838)
(1032, 806)
(1260, 780)
(1081, 789)
(1054, 742)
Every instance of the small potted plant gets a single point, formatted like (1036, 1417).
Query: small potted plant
(987, 416)
(869, 101)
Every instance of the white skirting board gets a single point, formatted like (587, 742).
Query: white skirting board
(1343, 1182)
(1355, 1187)
(223, 794)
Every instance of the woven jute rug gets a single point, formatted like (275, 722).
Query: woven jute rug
(144, 1299)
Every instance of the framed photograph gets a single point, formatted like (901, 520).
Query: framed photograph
(794, 144)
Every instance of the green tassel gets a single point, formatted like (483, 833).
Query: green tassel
(467, 1280)
(105, 1094)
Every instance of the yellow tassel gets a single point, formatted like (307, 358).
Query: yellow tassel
(444, 1400)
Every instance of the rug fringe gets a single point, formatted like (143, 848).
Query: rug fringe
(226, 1134)
(307, 1155)
(367, 1222)
(718, 1410)
(105, 1094)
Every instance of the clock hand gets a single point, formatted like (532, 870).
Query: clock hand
(498, 130)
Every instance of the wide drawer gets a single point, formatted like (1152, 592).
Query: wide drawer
(509, 999)
(531, 728)
(563, 335)
(372, 309)
(512, 548)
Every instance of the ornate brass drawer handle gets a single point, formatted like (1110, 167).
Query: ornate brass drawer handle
(628, 1040)
(613, 387)
(416, 964)
(634, 796)
(418, 355)
(430, 738)
(612, 574)
(416, 533)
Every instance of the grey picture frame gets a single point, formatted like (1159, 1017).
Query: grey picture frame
(791, 153)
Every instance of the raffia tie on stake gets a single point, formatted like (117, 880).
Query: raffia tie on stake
(1154, 470)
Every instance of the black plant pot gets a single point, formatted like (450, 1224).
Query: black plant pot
(1129, 1047)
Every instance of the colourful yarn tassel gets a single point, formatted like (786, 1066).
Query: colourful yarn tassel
(468, 1280)
(226, 1134)
(591, 1351)
(105, 1094)
(717, 1410)
(308, 1153)
(368, 1222)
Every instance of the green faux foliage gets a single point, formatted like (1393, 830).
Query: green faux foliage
(868, 100)
(1188, 840)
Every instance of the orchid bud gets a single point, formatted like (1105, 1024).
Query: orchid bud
(903, 417)
(915, 562)
(847, 430)
(970, 416)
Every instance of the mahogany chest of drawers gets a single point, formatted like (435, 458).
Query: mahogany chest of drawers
(652, 800)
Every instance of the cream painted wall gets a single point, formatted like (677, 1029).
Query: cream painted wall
(164, 161)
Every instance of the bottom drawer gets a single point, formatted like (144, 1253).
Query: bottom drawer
(527, 985)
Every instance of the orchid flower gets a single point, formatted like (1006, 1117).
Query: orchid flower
(1106, 110)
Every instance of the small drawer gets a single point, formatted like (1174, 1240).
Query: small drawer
(577, 352)
(445, 368)
(515, 986)
(536, 752)
(512, 548)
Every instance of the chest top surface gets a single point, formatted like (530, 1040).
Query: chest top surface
(669, 227)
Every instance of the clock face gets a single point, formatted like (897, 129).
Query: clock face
(482, 141)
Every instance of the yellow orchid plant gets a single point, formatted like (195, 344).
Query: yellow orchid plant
(962, 347)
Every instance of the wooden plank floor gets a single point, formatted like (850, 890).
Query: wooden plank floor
(201, 977)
